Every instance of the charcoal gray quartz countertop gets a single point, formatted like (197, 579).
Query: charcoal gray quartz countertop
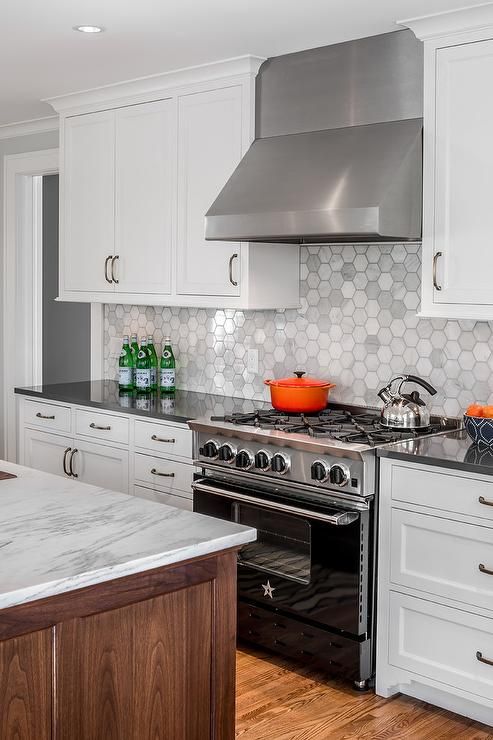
(105, 395)
(454, 450)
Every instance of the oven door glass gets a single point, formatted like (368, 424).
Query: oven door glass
(283, 543)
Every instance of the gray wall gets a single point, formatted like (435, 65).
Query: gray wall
(18, 145)
(66, 326)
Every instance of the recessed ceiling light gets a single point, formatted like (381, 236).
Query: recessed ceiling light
(89, 29)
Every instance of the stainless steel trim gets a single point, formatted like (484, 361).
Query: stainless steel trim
(96, 426)
(170, 441)
(113, 260)
(484, 501)
(64, 463)
(484, 569)
(479, 656)
(435, 260)
(163, 475)
(71, 463)
(358, 502)
(231, 260)
(343, 518)
(108, 280)
(39, 415)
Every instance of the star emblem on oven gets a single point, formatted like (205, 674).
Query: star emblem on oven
(268, 590)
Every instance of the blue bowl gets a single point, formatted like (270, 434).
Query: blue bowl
(480, 430)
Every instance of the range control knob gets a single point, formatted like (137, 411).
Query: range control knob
(226, 453)
(244, 460)
(320, 471)
(280, 463)
(262, 460)
(210, 449)
(339, 475)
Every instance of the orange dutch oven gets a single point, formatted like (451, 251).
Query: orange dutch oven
(299, 395)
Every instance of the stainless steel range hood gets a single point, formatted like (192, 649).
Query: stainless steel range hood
(358, 179)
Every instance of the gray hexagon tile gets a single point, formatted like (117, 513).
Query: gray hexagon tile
(357, 326)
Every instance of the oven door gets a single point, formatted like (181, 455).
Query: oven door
(309, 560)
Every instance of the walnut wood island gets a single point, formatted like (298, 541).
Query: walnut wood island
(117, 615)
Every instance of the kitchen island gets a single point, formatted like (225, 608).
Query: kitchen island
(117, 615)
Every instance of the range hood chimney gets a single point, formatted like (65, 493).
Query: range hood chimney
(338, 153)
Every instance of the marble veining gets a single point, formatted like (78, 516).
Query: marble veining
(57, 535)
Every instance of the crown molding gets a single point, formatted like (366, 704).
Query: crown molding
(25, 128)
(156, 84)
(451, 22)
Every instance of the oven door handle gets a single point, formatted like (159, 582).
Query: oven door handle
(340, 519)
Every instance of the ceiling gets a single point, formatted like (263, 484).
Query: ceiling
(41, 56)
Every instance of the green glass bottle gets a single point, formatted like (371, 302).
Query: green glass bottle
(152, 354)
(167, 376)
(126, 367)
(134, 346)
(143, 369)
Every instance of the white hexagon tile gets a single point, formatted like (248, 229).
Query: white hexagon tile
(357, 326)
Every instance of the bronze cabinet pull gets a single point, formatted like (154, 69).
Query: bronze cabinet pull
(71, 464)
(95, 426)
(65, 470)
(170, 441)
(113, 260)
(479, 656)
(163, 475)
(42, 416)
(484, 501)
(108, 258)
(435, 260)
(483, 569)
(231, 260)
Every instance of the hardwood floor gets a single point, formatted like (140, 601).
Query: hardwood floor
(274, 702)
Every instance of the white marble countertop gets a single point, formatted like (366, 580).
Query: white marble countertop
(57, 535)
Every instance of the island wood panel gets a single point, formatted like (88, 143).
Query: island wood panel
(26, 687)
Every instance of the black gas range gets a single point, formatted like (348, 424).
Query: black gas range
(308, 484)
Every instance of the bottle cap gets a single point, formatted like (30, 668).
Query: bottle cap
(167, 340)
(125, 338)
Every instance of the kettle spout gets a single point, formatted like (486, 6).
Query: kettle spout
(385, 394)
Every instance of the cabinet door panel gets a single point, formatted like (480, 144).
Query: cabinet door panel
(88, 201)
(100, 465)
(145, 196)
(209, 148)
(45, 451)
(464, 173)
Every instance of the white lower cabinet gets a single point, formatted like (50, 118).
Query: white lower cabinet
(435, 587)
(151, 459)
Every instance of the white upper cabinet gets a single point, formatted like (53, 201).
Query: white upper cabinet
(458, 163)
(144, 196)
(142, 162)
(87, 212)
(209, 148)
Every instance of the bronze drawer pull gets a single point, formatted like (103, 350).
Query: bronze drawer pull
(231, 260)
(163, 475)
(113, 260)
(435, 259)
(95, 426)
(42, 416)
(155, 438)
(485, 570)
(67, 472)
(71, 464)
(483, 500)
(479, 656)
(108, 280)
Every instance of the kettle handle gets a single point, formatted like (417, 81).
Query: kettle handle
(418, 381)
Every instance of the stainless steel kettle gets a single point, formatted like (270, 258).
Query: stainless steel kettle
(405, 410)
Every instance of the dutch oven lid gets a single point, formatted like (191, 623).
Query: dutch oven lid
(299, 382)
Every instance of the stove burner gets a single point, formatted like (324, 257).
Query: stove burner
(344, 425)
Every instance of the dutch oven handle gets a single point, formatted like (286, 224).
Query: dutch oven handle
(299, 373)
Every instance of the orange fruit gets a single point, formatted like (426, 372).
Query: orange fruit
(474, 410)
(487, 412)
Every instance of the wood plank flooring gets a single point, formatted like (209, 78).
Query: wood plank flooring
(275, 702)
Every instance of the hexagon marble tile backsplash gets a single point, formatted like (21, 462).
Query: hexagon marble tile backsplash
(357, 326)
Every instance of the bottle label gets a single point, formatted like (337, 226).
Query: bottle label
(142, 354)
(126, 376)
(143, 378)
(153, 375)
(123, 352)
(167, 377)
(166, 354)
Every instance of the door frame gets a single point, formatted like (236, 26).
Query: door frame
(22, 286)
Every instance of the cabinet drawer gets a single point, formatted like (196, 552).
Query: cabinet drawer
(442, 557)
(441, 643)
(107, 427)
(448, 492)
(163, 439)
(170, 499)
(168, 475)
(47, 416)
